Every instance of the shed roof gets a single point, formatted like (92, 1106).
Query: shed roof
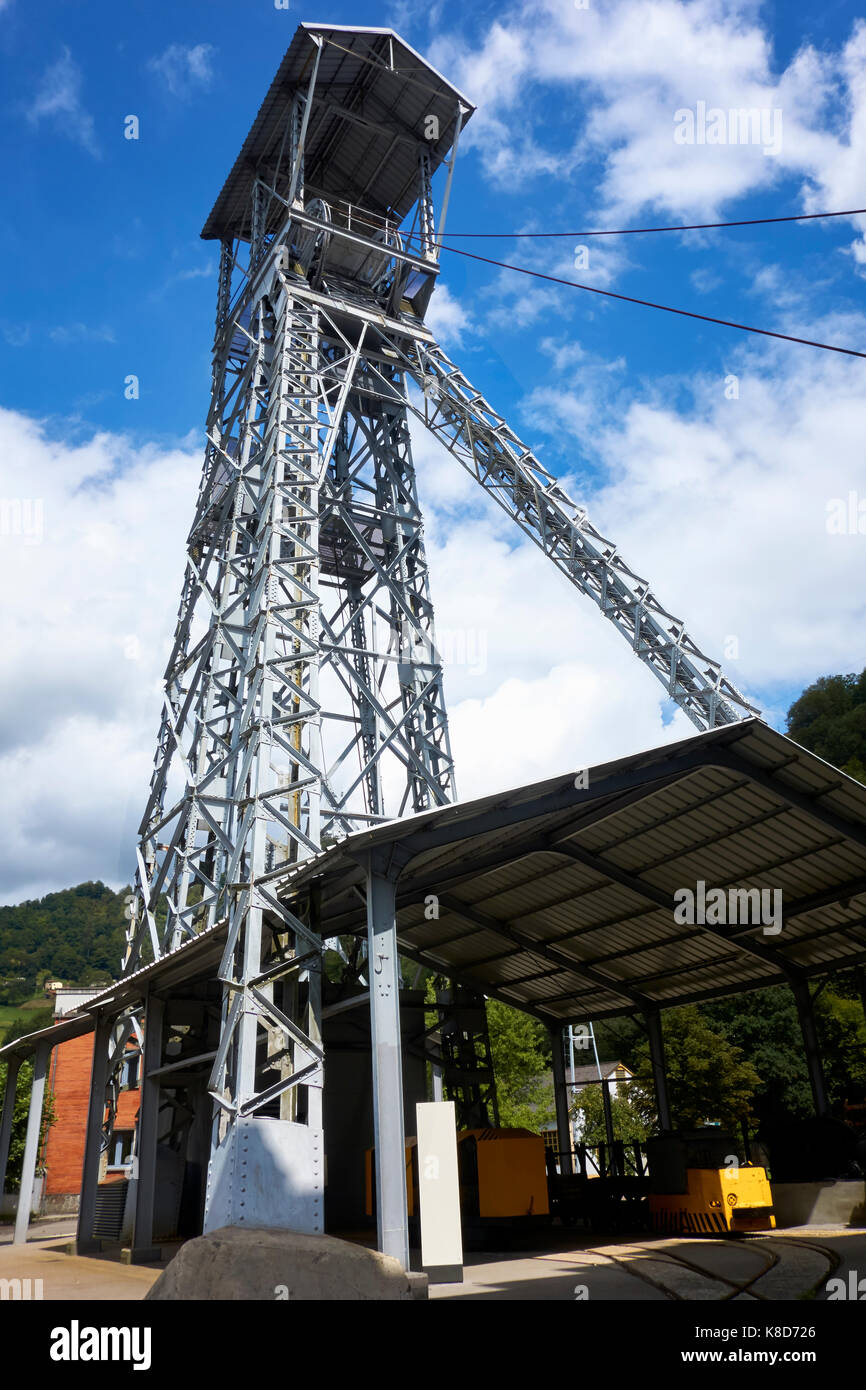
(559, 899)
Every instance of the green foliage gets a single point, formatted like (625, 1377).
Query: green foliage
(842, 1041)
(708, 1079)
(75, 935)
(31, 1022)
(630, 1112)
(19, 1121)
(830, 719)
(765, 1026)
(520, 1046)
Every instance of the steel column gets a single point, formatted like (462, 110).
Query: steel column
(653, 1020)
(94, 1134)
(148, 1121)
(561, 1098)
(806, 1014)
(31, 1142)
(392, 1217)
(13, 1067)
(608, 1125)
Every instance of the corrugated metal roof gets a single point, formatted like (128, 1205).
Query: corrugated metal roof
(561, 900)
(373, 95)
(186, 960)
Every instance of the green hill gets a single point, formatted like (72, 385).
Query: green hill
(75, 936)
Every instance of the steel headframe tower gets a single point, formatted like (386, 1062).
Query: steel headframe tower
(303, 694)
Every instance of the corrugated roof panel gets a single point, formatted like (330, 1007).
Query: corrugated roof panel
(566, 926)
(364, 73)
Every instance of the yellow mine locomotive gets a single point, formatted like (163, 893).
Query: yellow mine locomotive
(700, 1185)
(503, 1180)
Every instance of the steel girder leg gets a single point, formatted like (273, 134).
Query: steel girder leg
(13, 1066)
(806, 1013)
(388, 1127)
(561, 1098)
(657, 1059)
(31, 1142)
(148, 1122)
(93, 1139)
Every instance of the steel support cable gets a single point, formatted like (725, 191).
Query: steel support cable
(649, 304)
(682, 227)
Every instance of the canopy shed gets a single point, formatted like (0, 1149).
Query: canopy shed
(582, 897)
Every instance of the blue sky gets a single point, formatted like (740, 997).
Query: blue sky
(111, 276)
(721, 502)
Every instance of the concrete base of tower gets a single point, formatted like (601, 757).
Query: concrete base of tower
(267, 1173)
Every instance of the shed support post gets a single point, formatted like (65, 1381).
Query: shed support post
(392, 1218)
(13, 1067)
(93, 1139)
(608, 1127)
(806, 1013)
(31, 1142)
(561, 1098)
(653, 1020)
(143, 1249)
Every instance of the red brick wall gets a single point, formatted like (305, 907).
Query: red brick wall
(69, 1078)
(127, 1109)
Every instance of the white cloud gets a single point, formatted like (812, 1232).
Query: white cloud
(81, 333)
(621, 71)
(58, 100)
(185, 68)
(722, 506)
(90, 566)
(447, 318)
(15, 334)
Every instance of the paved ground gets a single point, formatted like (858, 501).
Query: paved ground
(53, 1226)
(793, 1264)
(67, 1277)
(789, 1265)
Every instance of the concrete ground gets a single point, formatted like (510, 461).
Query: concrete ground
(46, 1226)
(75, 1278)
(785, 1265)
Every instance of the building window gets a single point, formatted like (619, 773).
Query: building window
(120, 1152)
(129, 1073)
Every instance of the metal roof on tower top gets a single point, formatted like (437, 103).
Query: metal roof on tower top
(372, 97)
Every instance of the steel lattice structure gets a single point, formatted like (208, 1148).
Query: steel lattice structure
(303, 695)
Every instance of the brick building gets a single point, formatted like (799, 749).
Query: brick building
(69, 1083)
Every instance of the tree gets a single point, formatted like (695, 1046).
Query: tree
(520, 1046)
(19, 1121)
(75, 935)
(629, 1111)
(708, 1080)
(842, 1040)
(765, 1026)
(829, 718)
(31, 1022)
